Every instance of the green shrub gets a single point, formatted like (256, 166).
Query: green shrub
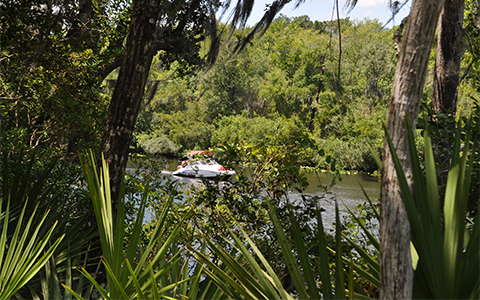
(350, 153)
(157, 143)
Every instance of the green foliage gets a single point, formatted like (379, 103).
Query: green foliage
(25, 255)
(276, 158)
(178, 132)
(273, 168)
(246, 272)
(26, 239)
(366, 263)
(350, 153)
(278, 105)
(232, 87)
(472, 30)
(49, 194)
(158, 144)
(49, 79)
(134, 271)
(289, 73)
(252, 130)
(446, 248)
(238, 281)
(57, 106)
(448, 251)
(442, 129)
(240, 206)
(172, 93)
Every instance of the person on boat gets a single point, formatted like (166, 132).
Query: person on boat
(165, 168)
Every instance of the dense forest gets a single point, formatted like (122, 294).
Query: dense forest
(294, 75)
(297, 74)
(87, 85)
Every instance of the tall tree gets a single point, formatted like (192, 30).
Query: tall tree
(449, 50)
(50, 94)
(173, 27)
(396, 278)
(123, 109)
(156, 26)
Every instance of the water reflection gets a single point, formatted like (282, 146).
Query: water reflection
(349, 188)
(347, 191)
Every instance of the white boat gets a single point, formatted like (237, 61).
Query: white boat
(203, 167)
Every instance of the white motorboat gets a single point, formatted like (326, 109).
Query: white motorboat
(193, 166)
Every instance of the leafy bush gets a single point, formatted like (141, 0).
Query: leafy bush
(43, 195)
(135, 270)
(351, 153)
(445, 248)
(26, 240)
(442, 130)
(448, 251)
(157, 144)
(187, 129)
(252, 130)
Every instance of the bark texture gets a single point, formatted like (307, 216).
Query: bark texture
(449, 50)
(396, 272)
(129, 90)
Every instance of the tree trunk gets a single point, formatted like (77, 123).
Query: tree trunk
(129, 89)
(396, 273)
(450, 47)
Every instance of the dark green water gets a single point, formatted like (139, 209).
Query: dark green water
(348, 189)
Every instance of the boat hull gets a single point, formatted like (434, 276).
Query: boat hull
(201, 168)
(192, 173)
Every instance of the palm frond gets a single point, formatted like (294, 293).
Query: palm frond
(447, 267)
(129, 271)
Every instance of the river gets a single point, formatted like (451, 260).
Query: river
(347, 191)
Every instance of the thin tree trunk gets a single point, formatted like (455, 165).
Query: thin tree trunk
(396, 273)
(129, 90)
(450, 47)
